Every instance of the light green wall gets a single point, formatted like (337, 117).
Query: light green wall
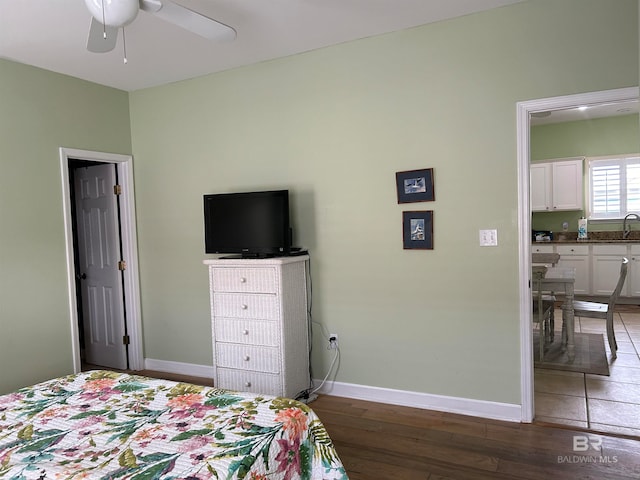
(42, 111)
(333, 126)
(598, 137)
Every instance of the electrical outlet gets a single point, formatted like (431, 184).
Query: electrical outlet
(333, 341)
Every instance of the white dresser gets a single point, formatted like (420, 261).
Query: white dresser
(259, 324)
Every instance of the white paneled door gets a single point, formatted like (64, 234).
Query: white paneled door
(98, 252)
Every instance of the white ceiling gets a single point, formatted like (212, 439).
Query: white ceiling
(52, 34)
(586, 112)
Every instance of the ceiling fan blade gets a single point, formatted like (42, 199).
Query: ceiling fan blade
(96, 42)
(188, 19)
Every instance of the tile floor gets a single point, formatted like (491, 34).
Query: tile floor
(601, 403)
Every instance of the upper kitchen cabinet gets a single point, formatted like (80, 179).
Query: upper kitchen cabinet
(557, 185)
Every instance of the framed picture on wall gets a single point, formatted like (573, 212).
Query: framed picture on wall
(417, 230)
(415, 186)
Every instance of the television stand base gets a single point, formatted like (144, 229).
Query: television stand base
(297, 253)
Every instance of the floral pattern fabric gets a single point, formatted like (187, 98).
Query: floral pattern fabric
(108, 425)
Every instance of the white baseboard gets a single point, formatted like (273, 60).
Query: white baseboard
(180, 368)
(464, 406)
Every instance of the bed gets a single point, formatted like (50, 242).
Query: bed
(108, 425)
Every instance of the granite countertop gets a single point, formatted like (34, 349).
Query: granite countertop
(594, 237)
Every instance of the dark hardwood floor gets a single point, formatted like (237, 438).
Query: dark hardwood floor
(381, 441)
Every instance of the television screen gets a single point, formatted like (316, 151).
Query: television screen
(254, 224)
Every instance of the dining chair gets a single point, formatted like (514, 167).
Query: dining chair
(545, 258)
(542, 310)
(548, 298)
(604, 310)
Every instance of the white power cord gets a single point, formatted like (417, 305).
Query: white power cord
(333, 362)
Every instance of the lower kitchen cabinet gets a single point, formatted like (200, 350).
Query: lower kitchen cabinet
(633, 274)
(598, 266)
(605, 263)
(542, 248)
(576, 256)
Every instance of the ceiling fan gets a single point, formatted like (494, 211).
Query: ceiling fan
(110, 15)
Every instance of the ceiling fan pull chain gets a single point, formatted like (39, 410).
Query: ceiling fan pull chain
(104, 28)
(124, 46)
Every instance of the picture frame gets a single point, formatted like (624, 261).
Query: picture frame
(415, 186)
(417, 230)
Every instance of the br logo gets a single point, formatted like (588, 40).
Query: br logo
(582, 443)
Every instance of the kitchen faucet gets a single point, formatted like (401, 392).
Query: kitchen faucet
(626, 229)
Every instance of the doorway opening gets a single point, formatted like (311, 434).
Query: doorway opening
(524, 112)
(126, 284)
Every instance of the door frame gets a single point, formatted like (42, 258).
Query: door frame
(124, 166)
(524, 111)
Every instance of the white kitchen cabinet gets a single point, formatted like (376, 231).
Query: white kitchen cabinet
(543, 249)
(537, 248)
(576, 256)
(260, 325)
(605, 264)
(633, 273)
(540, 175)
(598, 266)
(557, 185)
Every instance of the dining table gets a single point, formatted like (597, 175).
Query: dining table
(561, 280)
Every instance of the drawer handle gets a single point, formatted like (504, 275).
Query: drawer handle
(243, 280)
(244, 306)
(247, 384)
(247, 358)
(245, 332)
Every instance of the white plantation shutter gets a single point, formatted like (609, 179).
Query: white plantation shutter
(633, 185)
(614, 187)
(605, 191)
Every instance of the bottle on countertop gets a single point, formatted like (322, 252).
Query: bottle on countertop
(582, 229)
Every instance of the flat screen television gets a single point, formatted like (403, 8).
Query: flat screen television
(252, 224)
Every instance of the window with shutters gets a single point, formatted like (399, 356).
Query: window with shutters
(614, 186)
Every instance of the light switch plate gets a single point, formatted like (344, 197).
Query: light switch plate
(489, 238)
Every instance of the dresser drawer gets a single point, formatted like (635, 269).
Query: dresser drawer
(245, 381)
(248, 357)
(254, 280)
(238, 305)
(247, 331)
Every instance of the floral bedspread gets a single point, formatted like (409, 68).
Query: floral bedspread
(107, 425)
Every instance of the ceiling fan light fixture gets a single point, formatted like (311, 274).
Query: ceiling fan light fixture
(113, 13)
(108, 16)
